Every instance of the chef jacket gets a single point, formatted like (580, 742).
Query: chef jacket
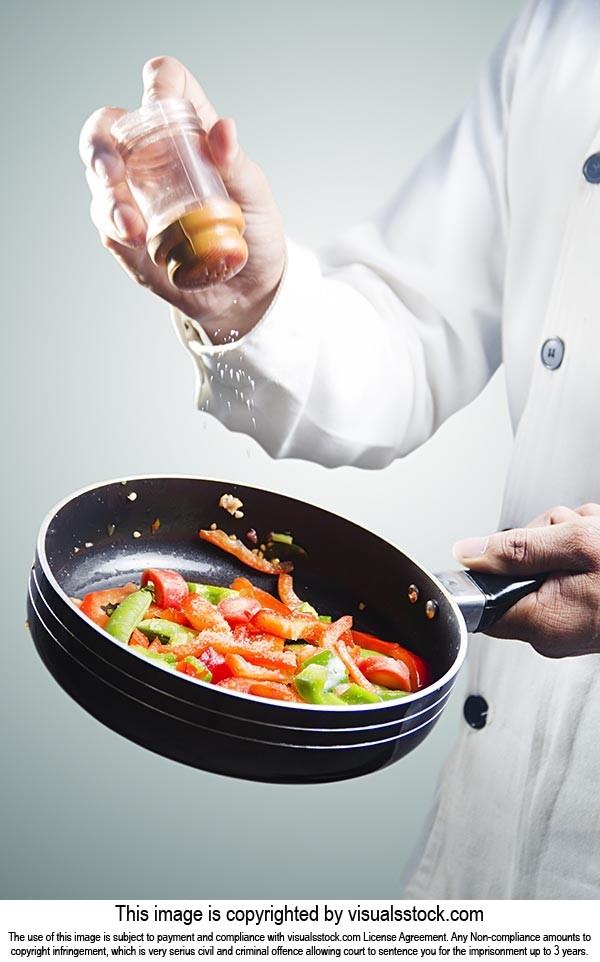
(489, 254)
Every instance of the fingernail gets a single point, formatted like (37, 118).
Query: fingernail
(127, 224)
(104, 167)
(469, 548)
(120, 221)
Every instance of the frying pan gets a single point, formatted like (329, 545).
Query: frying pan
(106, 535)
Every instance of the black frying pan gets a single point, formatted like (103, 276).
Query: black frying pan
(101, 537)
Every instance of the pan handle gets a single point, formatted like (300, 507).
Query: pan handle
(483, 598)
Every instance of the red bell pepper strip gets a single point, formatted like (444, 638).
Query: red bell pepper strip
(237, 548)
(262, 689)
(201, 614)
(420, 674)
(285, 587)
(216, 664)
(245, 669)
(248, 590)
(292, 626)
(170, 588)
(138, 638)
(99, 605)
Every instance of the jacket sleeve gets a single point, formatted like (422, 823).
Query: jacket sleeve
(369, 347)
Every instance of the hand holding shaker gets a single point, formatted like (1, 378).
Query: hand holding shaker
(194, 229)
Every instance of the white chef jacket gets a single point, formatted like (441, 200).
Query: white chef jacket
(490, 249)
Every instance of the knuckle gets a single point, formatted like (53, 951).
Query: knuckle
(514, 545)
(584, 541)
(590, 507)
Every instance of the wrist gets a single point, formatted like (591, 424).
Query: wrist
(243, 312)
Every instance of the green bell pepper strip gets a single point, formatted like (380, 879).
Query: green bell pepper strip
(203, 672)
(168, 660)
(390, 694)
(280, 537)
(167, 632)
(355, 695)
(212, 593)
(128, 615)
(319, 675)
(306, 608)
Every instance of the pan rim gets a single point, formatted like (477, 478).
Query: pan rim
(448, 676)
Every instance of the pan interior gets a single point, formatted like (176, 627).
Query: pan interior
(107, 535)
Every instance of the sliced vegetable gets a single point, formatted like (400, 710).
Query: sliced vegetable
(163, 658)
(281, 537)
(212, 593)
(319, 675)
(100, 605)
(292, 626)
(262, 689)
(388, 672)
(194, 668)
(247, 640)
(356, 695)
(170, 588)
(128, 615)
(238, 611)
(420, 675)
(201, 614)
(167, 632)
(243, 668)
(215, 662)
(248, 590)
(237, 548)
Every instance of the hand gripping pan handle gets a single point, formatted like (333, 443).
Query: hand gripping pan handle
(483, 598)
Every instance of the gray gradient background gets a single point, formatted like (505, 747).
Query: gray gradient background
(337, 100)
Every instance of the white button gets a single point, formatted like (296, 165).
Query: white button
(552, 353)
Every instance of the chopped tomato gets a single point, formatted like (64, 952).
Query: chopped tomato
(265, 600)
(237, 548)
(201, 614)
(170, 587)
(389, 672)
(238, 611)
(99, 605)
(420, 675)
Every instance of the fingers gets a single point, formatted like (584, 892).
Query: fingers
(556, 515)
(589, 510)
(244, 180)
(566, 546)
(114, 213)
(167, 77)
(113, 209)
(97, 146)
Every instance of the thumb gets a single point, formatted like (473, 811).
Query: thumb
(560, 547)
(167, 77)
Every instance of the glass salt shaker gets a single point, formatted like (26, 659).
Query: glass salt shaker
(194, 229)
